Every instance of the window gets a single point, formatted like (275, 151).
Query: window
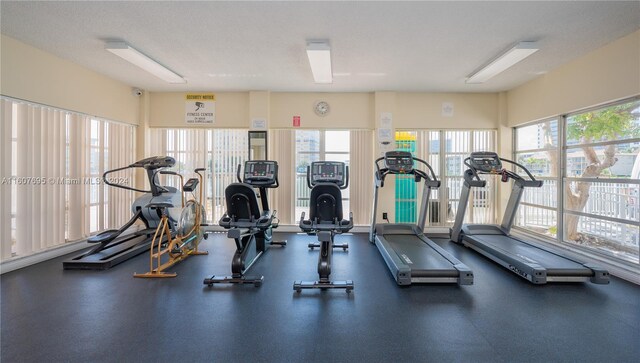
(220, 151)
(445, 151)
(536, 147)
(52, 187)
(602, 180)
(593, 205)
(317, 145)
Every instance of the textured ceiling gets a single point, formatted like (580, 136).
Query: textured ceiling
(394, 46)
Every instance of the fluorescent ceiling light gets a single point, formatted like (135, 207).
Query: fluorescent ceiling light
(514, 55)
(319, 54)
(126, 52)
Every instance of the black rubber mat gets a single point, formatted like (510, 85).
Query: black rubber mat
(51, 315)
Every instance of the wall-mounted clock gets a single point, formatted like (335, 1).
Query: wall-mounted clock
(321, 108)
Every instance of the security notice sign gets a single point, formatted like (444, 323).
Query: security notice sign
(200, 108)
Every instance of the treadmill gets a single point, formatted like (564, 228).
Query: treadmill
(535, 264)
(411, 256)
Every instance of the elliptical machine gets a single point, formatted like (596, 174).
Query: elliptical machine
(250, 228)
(112, 247)
(185, 242)
(326, 180)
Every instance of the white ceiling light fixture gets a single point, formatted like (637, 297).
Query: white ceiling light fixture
(319, 54)
(132, 55)
(514, 55)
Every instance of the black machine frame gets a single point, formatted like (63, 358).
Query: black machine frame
(326, 192)
(113, 246)
(253, 234)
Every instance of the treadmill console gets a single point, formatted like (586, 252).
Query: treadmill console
(485, 161)
(260, 172)
(400, 162)
(328, 172)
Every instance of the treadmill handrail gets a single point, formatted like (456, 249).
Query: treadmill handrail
(532, 182)
(429, 177)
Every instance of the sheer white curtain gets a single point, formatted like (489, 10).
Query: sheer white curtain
(282, 145)
(361, 175)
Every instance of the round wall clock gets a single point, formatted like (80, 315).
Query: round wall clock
(321, 108)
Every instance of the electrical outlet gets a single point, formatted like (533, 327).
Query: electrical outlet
(384, 216)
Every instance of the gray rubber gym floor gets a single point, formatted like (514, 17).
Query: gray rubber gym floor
(51, 315)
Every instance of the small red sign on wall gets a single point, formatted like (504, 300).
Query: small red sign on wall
(296, 121)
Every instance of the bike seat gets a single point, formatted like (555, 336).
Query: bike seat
(159, 205)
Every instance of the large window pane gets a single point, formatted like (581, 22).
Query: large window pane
(536, 212)
(619, 240)
(537, 136)
(611, 161)
(307, 141)
(337, 141)
(612, 200)
(545, 196)
(539, 220)
(618, 122)
(539, 163)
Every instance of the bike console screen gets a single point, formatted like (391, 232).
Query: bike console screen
(399, 162)
(261, 171)
(485, 161)
(327, 172)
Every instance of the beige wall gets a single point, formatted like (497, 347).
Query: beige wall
(424, 110)
(166, 109)
(606, 74)
(347, 110)
(31, 74)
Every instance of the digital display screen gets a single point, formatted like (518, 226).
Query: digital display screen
(328, 171)
(259, 169)
(485, 161)
(399, 161)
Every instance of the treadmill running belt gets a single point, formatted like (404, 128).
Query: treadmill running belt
(422, 258)
(554, 264)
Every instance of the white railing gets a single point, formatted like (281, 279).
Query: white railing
(619, 201)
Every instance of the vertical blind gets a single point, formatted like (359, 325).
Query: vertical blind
(282, 149)
(361, 174)
(51, 165)
(220, 151)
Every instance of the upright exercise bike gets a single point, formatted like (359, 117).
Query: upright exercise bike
(169, 248)
(327, 179)
(113, 246)
(250, 228)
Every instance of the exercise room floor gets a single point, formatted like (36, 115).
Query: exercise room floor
(51, 315)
